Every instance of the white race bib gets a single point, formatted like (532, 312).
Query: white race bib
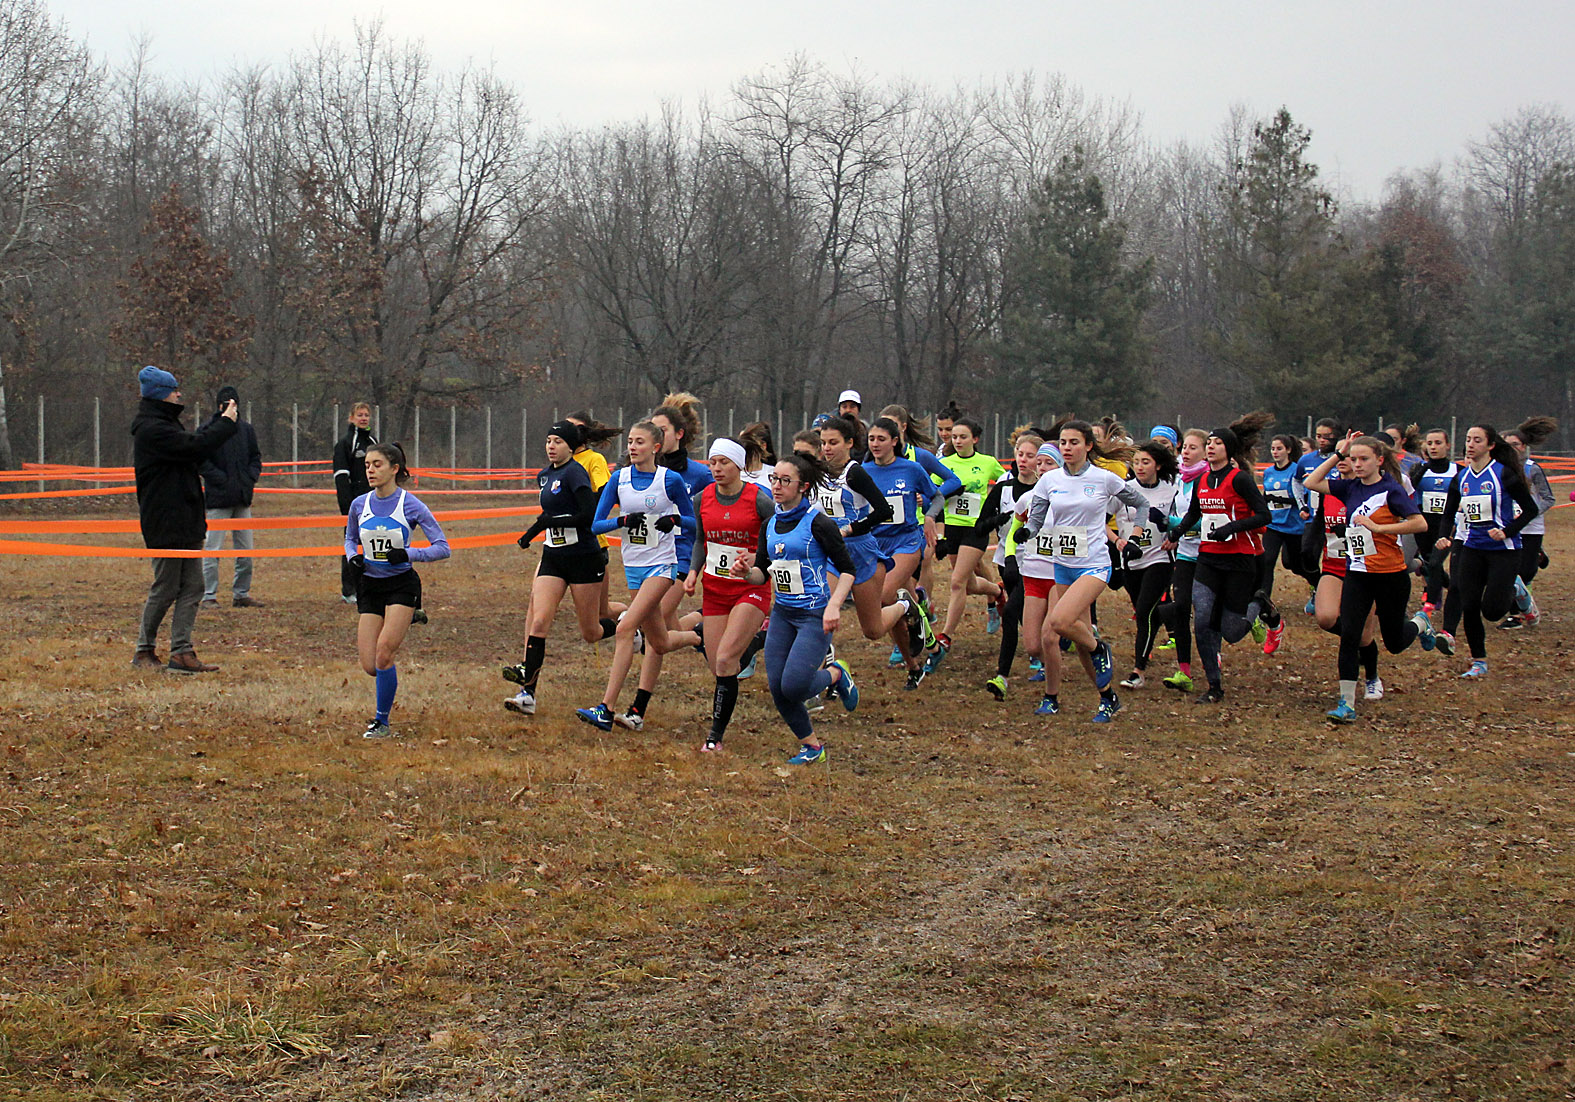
(1477, 509)
(967, 505)
(719, 559)
(1044, 545)
(1358, 541)
(1333, 545)
(1143, 536)
(830, 502)
(1070, 542)
(1433, 501)
(899, 507)
(639, 533)
(562, 537)
(1279, 499)
(1211, 523)
(380, 541)
(787, 577)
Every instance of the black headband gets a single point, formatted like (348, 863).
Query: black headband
(570, 433)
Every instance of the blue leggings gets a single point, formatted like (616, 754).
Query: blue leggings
(795, 649)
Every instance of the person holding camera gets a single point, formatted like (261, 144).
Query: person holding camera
(166, 457)
(228, 478)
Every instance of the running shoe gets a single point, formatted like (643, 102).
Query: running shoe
(1036, 670)
(630, 720)
(713, 743)
(378, 729)
(1522, 596)
(1167, 647)
(522, 702)
(1477, 670)
(896, 657)
(1375, 689)
(996, 687)
(1133, 682)
(808, 755)
(600, 717)
(516, 674)
(1533, 615)
(924, 602)
(1511, 622)
(1274, 637)
(1341, 713)
(1260, 633)
(916, 617)
(1429, 607)
(419, 616)
(749, 670)
(1104, 665)
(844, 688)
(1066, 645)
(1445, 643)
(639, 642)
(1211, 695)
(943, 647)
(1311, 606)
(1179, 681)
(1048, 706)
(1108, 707)
(914, 678)
(1424, 631)
(992, 620)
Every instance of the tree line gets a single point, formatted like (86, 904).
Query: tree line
(353, 222)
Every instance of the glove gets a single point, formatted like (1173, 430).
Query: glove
(524, 541)
(358, 563)
(667, 523)
(398, 556)
(630, 520)
(1158, 518)
(1131, 551)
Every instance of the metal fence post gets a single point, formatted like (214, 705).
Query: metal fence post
(489, 447)
(998, 434)
(97, 438)
(377, 421)
(524, 442)
(416, 450)
(335, 425)
(453, 443)
(295, 443)
(41, 437)
(781, 435)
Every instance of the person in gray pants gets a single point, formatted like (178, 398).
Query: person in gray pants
(164, 457)
(228, 477)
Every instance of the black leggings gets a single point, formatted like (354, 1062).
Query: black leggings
(1146, 587)
(1359, 596)
(1287, 550)
(1223, 608)
(1487, 590)
(1012, 618)
(1176, 613)
(1530, 556)
(1437, 573)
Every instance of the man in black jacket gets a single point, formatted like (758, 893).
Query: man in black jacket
(228, 476)
(169, 497)
(350, 479)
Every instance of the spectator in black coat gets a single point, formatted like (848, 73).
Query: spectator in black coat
(350, 479)
(165, 458)
(228, 478)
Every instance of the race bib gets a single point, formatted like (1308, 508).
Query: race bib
(1044, 545)
(1211, 523)
(1477, 509)
(1433, 501)
(562, 537)
(830, 502)
(787, 578)
(967, 505)
(899, 507)
(380, 541)
(1333, 545)
(1358, 542)
(719, 559)
(639, 533)
(1279, 499)
(1070, 542)
(1143, 536)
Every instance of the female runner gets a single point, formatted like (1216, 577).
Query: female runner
(731, 511)
(965, 539)
(1176, 613)
(1282, 539)
(570, 561)
(388, 589)
(797, 548)
(589, 456)
(760, 452)
(651, 501)
(1077, 498)
(999, 511)
(1229, 512)
(1531, 433)
(1487, 569)
(1378, 511)
(1432, 479)
(1331, 580)
(1036, 565)
(905, 486)
(915, 446)
(1148, 564)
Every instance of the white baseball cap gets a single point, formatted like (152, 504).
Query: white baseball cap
(851, 396)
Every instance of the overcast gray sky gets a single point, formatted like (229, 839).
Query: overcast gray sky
(1382, 84)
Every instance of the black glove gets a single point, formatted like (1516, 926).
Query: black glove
(667, 523)
(398, 556)
(993, 521)
(357, 563)
(1159, 518)
(1131, 551)
(524, 540)
(630, 520)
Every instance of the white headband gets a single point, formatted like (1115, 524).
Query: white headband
(728, 449)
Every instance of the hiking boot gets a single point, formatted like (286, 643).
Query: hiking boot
(146, 660)
(188, 662)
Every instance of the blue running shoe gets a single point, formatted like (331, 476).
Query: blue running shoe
(896, 657)
(943, 647)
(1048, 706)
(992, 620)
(1477, 670)
(844, 689)
(600, 717)
(1522, 596)
(1108, 707)
(1036, 670)
(1341, 713)
(1104, 666)
(749, 670)
(808, 755)
(1424, 631)
(1312, 606)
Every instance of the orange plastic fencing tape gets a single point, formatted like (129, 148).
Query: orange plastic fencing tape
(239, 524)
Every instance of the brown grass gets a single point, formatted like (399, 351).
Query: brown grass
(215, 889)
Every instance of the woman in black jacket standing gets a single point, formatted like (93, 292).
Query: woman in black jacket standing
(350, 479)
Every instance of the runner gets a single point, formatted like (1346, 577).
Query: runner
(1331, 581)
(589, 456)
(1148, 564)
(914, 445)
(1325, 433)
(1432, 479)
(651, 501)
(806, 442)
(1071, 504)
(1378, 510)
(761, 453)
(1230, 512)
(1176, 613)
(1282, 539)
(388, 589)
(965, 539)
(796, 549)
(1036, 565)
(1531, 433)
(1487, 568)
(731, 511)
(571, 561)
(999, 516)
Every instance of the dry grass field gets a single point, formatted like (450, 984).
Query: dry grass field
(214, 888)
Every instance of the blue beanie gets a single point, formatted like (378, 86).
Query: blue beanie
(156, 382)
(1168, 433)
(1053, 452)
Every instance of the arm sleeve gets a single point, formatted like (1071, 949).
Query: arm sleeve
(603, 522)
(829, 536)
(1298, 488)
(1130, 496)
(1038, 510)
(1541, 489)
(860, 482)
(1247, 487)
(762, 553)
(1520, 494)
(697, 552)
(352, 534)
(990, 515)
(686, 505)
(177, 443)
(429, 525)
(1446, 524)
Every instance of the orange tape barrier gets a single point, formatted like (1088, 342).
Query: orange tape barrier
(88, 551)
(243, 524)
